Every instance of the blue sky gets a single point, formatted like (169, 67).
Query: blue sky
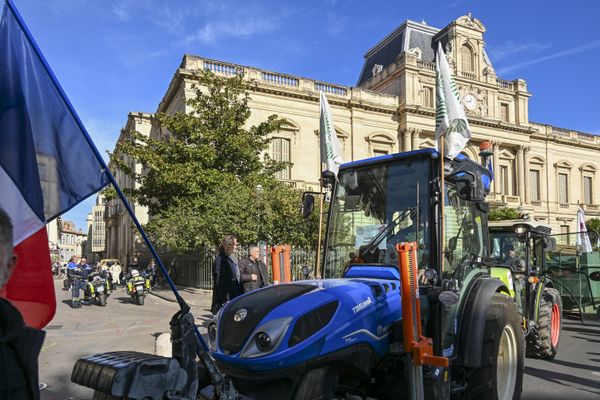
(117, 56)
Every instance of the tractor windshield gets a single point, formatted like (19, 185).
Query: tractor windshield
(374, 208)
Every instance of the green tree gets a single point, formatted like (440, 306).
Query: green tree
(593, 227)
(199, 179)
(502, 213)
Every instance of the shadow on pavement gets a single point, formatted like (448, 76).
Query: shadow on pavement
(560, 378)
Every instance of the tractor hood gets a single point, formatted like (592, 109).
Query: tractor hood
(287, 324)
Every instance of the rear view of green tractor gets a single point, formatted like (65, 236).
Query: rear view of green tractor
(519, 248)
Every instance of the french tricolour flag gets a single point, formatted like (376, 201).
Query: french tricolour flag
(48, 163)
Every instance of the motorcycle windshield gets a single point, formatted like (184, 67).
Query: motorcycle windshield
(375, 207)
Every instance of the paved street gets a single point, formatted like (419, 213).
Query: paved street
(575, 373)
(121, 325)
(73, 333)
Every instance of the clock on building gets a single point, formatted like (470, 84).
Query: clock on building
(470, 102)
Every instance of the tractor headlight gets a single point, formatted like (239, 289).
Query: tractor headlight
(267, 337)
(263, 341)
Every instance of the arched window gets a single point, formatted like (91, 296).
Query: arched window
(466, 56)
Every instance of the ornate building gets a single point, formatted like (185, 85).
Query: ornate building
(544, 170)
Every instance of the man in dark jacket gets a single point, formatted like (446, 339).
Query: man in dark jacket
(253, 270)
(227, 282)
(20, 346)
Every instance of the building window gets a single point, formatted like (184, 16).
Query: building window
(467, 58)
(564, 235)
(378, 152)
(504, 182)
(280, 151)
(504, 112)
(587, 190)
(563, 188)
(428, 96)
(535, 185)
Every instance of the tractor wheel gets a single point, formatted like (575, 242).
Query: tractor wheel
(544, 341)
(140, 300)
(500, 376)
(102, 299)
(317, 384)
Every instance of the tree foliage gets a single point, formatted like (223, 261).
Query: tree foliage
(502, 213)
(200, 178)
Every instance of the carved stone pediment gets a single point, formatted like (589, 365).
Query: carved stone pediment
(470, 22)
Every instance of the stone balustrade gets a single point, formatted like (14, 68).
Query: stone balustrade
(331, 89)
(505, 84)
(280, 79)
(426, 65)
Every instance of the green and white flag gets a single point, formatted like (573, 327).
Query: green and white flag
(450, 119)
(331, 152)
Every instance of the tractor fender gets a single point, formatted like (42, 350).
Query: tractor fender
(473, 317)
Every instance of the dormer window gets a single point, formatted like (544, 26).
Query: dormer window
(377, 68)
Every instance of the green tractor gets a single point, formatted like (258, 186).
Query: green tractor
(519, 249)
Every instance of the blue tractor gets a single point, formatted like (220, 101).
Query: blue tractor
(406, 308)
(346, 335)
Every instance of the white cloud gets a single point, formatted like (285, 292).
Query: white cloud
(499, 53)
(241, 28)
(575, 50)
(121, 11)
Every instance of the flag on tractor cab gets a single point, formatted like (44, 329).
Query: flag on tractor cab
(450, 119)
(583, 239)
(48, 164)
(331, 152)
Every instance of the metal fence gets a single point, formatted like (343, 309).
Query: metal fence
(571, 268)
(195, 268)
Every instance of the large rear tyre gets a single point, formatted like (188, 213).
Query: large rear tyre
(102, 299)
(139, 300)
(317, 384)
(500, 376)
(543, 342)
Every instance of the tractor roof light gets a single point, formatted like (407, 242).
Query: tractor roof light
(521, 229)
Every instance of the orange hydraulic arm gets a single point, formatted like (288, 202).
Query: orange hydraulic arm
(414, 342)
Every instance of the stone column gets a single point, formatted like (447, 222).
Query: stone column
(496, 164)
(520, 173)
(406, 145)
(415, 138)
(526, 174)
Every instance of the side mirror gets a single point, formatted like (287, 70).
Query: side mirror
(595, 276)
(308, 204)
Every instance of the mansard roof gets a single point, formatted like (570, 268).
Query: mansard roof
(407, 36)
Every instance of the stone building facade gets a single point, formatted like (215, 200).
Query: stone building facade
(122, 239)
(545, 171)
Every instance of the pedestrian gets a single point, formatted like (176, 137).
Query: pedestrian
(20, 346)
(253, 271)
(151, 270)
(227, 283)
(115, 271)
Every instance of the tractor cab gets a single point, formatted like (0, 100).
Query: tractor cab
(386, 201)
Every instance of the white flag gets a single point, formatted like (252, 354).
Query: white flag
(331, 152)
(583, 239)
(450, 119)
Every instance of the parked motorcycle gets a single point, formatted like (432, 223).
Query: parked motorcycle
(138, 286)
(99, 287)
